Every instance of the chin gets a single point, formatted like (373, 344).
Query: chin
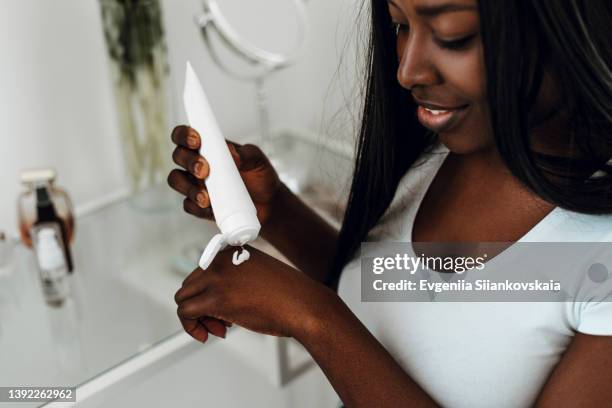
(462, 142)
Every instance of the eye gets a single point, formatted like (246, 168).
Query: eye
(398, 28)
(456, 45)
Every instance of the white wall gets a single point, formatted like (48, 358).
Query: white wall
(56, 103)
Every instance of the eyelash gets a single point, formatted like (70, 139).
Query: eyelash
(454, 45)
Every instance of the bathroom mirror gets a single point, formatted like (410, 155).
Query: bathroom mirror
(267, 35)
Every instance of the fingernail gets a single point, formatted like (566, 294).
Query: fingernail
(192, 141)
(201, 198)
(197, 167)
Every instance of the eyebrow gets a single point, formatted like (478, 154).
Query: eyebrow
(431, 11)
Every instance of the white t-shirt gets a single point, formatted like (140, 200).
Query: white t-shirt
(477, 354)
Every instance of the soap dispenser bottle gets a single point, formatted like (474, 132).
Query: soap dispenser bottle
(43, 202)
(47, 218)
(51, 264)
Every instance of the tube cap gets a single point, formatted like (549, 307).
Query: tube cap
(216, 244)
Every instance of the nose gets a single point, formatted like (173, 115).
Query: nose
(416, 68)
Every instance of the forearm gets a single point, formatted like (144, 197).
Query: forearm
(301, 235)
(361, 371)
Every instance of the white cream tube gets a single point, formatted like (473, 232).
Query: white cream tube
(234, 211)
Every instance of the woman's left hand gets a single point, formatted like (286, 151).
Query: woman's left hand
(263, 294)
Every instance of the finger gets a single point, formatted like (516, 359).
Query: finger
(195, 287)
(193, 275)
(191, 161)
(197, 282)
(195, 329)
(247, 157)
(197, 306)
(214, 326)
(232, 143)
(200, 197)
(233, 148)
(194, 209)
(188, 185)
(186, 136)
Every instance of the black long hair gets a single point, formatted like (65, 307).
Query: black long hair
(520, 38)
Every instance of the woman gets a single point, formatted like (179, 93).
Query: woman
(483, 122)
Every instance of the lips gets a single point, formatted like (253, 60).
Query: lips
(437, 117)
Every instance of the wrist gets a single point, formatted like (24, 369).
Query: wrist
(321, 315)
(277, 206)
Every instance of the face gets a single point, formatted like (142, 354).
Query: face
(439, 48)
(441, 62)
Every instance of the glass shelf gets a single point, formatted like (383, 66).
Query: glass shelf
(128, 266)
(121, 303)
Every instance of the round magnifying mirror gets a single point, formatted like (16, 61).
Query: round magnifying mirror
(267, 33)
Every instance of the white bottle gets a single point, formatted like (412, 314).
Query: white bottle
(52, 265)
(234, 211)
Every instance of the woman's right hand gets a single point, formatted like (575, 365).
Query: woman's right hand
(260, 178)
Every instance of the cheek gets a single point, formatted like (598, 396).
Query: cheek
(464, 73)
